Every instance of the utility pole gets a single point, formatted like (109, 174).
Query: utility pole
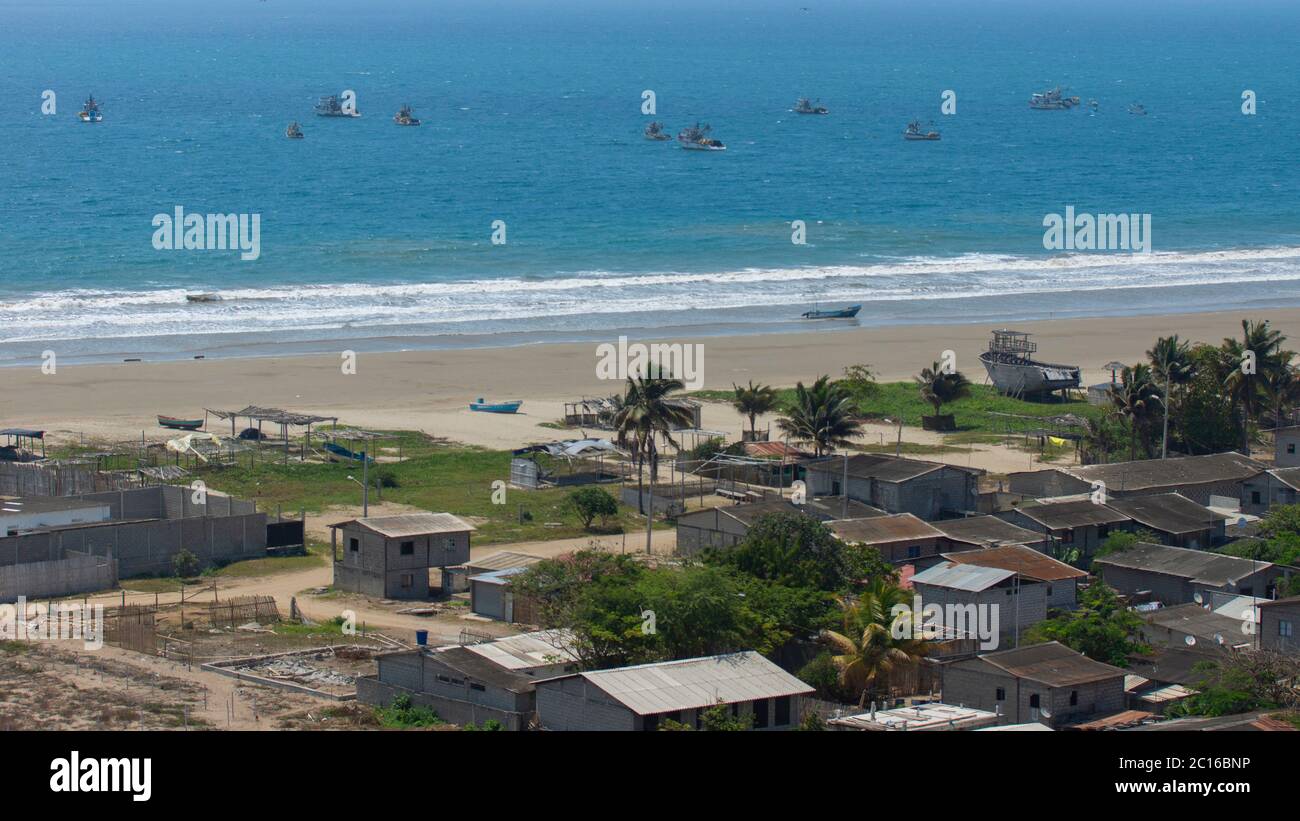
(1164, 434)
(365, 484)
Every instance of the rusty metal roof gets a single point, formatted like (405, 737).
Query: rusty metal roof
(981, 530)
(1026, 561)
(1050, 663)
(1167, 512)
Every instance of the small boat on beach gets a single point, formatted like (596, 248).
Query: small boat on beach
(842, 313)
(804, 106)
(1013, 370)
(405, 117)
(179, 424)
(914, 132)
(510, 406)
(655, 131)
(90, 111)
(696, 138)
(294, 131)
(340, 452)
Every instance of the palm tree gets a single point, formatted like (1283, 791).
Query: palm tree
(1096, 441)
(753, 401)
(647, 410)
(1248, 362)
(938, 388)
(865, 650)
(1173, 365)
(822, 414)
(1138, 399)
(1282, 391)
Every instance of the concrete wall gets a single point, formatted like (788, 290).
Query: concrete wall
(370, 690)
(489, 600)
(705, 529)
(146, 547)
(573, 704)
(77, 573)
(1279, 627)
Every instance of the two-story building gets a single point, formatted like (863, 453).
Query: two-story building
(390, 556)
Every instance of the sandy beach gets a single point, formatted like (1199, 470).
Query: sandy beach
(430, 390)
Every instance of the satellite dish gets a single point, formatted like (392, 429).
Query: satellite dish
(1241, 522)
(1190, 640)
(1198, 598)
(1248, 614)
(1218, 637)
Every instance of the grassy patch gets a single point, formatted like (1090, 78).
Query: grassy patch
(453, 478)
(896, 400)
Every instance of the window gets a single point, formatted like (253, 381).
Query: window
(1067, 537)
(914, 552)
(354, 544)
(1002, 694)
(1103, 531)
(1254, 497)
(1034, 701)
(1290, 448)
(1049, 590)
(407, 548)
(760, 713)
(408, 580)
(1074, 698)
(782, 717)
(1284, 628)
(650, 723)
(478, 687)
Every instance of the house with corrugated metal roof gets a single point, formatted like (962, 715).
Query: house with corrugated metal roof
(987, 598)
(1196, 477)
(1071, 524)
(1060, 579)
(1178, 575)
(928, 490)
(390, 556)
(473, 683)
(642, 697)
(899, 538)
(1175, 519)
(1047, 683)
(728, 525)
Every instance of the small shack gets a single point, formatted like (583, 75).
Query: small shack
(390, 556)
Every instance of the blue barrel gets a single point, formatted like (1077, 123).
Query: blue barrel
(422, 637)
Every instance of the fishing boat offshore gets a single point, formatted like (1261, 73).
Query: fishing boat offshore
(90, 112)
(914, 132)
(1052, 99)
(330, 106)
(803, 106)
(405, 116)
(294, 131)
(1013, 370)
(696, 138)
(655, 131)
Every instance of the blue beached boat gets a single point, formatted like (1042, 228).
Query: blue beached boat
(495, 407)
(843, 313)
(343, 453)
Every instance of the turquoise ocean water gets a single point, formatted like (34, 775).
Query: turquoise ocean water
(381, 236)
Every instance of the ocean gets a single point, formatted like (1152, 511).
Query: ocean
(376, 237)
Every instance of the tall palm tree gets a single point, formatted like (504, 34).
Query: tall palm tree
(1281, 391)
(939, 388)
(1096, 441)
(1174, 368)
(822, 414)
(1138, 399)
(753, 401)
(865, 650)
(646, 412)
(1261, 345)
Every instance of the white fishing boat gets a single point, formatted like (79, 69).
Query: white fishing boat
(1013, 370)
